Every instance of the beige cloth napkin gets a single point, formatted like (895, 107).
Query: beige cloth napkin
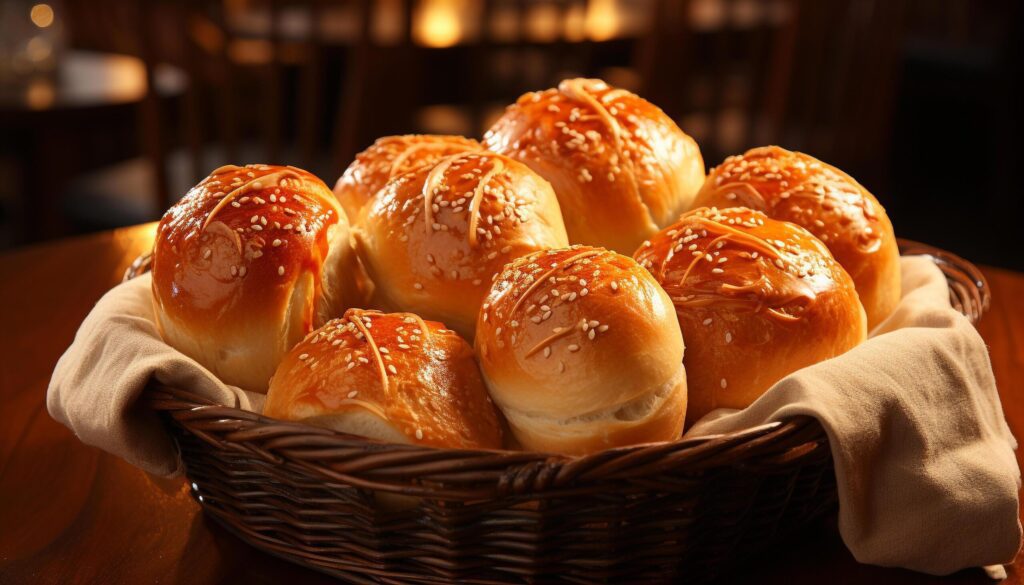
(924, 459)
(96, 385)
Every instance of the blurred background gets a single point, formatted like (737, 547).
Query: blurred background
(111, 109)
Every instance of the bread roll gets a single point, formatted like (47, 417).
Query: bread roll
(581, 350)
(621, 168)
(795, 187)
(389, 157)
(392, 377)
(434, 237)
(246, 264)
(756, 299)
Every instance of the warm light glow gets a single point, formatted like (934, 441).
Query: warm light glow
(438, 23)
(575, 23)
(602, 20)
(38, 49)
(40, 94)
(251, 51)
(542, 23)
(41, 15)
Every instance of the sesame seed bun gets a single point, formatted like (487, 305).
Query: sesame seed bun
(581, 350)
(434, 237)
(756, 300)
(392, 377)
(621, 168)
(799, 188)
(389, 157)
(246, 264)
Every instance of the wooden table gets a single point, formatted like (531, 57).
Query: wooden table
(73, 514)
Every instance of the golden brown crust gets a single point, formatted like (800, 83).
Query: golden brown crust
(620, 167)
(581, 349)
(756, 300)
(238, 268)
(389, 157)
(795, 187)
(434, 237)
(415, 376)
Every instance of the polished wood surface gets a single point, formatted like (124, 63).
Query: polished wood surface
(73, 514)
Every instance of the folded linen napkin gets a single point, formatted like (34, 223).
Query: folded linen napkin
(924, 459)
(97, 383)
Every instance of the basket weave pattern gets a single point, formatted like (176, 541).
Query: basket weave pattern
(386, 513)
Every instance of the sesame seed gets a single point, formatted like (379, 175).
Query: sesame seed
(280, 270)
(353, 393)
(419, 434)
(723, 383)
(728, 337)
(547, 351)
(392, 369)
(303, 356)
(417, 286)
(276, 243)
(602, 328)
(591, 333)
(207, 253)
(615, 285)
(706, 322)
(574, 347)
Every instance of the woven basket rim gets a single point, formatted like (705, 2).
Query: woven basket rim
(466, 474)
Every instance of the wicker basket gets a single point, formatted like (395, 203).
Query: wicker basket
(684, 510)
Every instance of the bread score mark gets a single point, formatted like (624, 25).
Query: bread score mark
(426, 144)
(557, 333)
(564, 265)
(576, 89)
(434, 180)
(278, 178)
(478, 195)
(727, 293)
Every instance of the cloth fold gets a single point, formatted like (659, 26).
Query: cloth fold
(924, 459)
(116, 352)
